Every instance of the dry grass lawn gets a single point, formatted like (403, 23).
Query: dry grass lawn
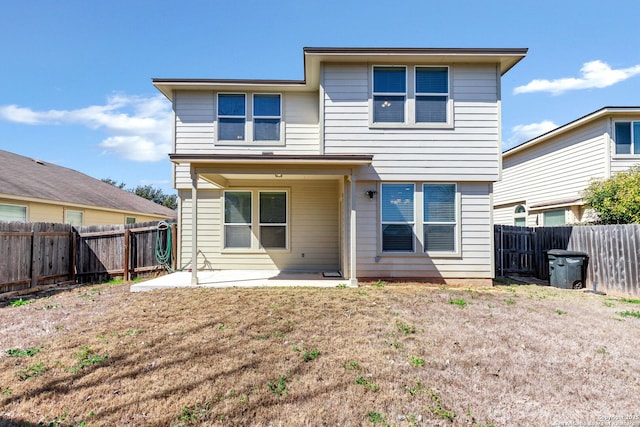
(382, 354)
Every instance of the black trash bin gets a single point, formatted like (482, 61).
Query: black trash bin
(567, 269)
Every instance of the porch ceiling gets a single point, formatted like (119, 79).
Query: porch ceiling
(220, 169)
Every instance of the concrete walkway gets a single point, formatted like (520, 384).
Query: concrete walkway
(239, 279)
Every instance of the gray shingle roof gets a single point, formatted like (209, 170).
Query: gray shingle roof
(23, 176)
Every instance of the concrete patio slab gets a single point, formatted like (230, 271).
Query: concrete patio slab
(240, 279)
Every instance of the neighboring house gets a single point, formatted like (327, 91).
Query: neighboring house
(34, 191)
(379, 164)
(543, 179)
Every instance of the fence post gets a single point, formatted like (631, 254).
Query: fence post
(174, 245)
(35, 256)
(127, 240)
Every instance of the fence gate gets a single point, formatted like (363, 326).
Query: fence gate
(515, 250)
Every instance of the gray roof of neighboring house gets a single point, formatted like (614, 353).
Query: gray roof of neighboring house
(27, 177)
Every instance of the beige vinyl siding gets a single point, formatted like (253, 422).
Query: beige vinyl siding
(475, 261)
(554, 170)
(622, 163)
(313, 229)
(468, 152)
(196, 132)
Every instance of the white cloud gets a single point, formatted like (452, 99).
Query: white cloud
(139, 127)
(522, 133)
(594, 74)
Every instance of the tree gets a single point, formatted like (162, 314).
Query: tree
(156, 195)
(148, 192)
(114, 183)
(616, 200)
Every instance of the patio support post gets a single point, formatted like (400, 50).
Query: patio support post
(194, 227)
(353, 280)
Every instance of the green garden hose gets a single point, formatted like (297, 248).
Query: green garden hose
(163, 254)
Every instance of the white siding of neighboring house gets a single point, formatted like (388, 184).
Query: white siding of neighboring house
(466, 152)
(313, 229)
(475, 261)
(553, 170)
(195, 129)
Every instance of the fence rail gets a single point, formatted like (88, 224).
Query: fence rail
(37, 255)
(614, 253)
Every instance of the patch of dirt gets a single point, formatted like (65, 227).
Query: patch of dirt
(401, 354)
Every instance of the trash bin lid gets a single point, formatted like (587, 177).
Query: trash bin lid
(565, 253)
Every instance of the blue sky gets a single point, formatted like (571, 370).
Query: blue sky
(75, 76)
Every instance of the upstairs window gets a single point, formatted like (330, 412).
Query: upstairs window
(410, 96)
(231, 117)
(266, 117)
(432, 94)
(627, 137)
(389, 94)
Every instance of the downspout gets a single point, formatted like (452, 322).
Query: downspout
(194, 226)
(353, 280)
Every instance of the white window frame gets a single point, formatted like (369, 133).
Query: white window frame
(256, 246)
(26, 211)
(630, 122)
(418, 223)
(254, 116)
(249, 134)
(127, 218)
(455, 223)
(410, 223)
(285, 224)
(402, 94)
(426, 94)
(410, 99)
(221, 116)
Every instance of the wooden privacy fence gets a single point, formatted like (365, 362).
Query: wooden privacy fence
(614, 253)
(36, 255)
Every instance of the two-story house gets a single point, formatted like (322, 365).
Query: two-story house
(543, 179)
(379, 164)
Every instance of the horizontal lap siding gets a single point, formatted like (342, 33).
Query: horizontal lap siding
(476, 236)
(555, 170)
(469, 151)
(622, 163)
(196, 132)
(313, 230)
